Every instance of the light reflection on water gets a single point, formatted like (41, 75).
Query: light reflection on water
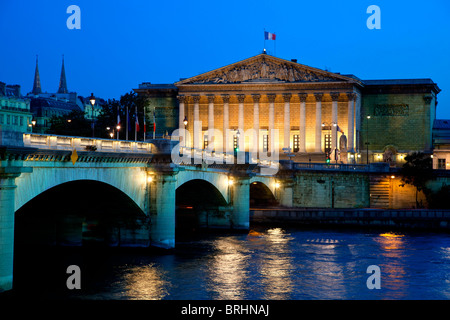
(280, 264)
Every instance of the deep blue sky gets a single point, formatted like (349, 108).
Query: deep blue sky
(124, 43)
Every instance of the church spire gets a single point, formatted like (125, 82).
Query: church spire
(37, 80)
(62, 80)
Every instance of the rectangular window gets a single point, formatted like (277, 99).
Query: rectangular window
(8, 119)
(21, 121)
(296, 143)
(327, 143)
(2, 118)
(265, 143)
(441, 163)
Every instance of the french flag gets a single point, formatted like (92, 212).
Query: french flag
(137, 121)
(269, 36)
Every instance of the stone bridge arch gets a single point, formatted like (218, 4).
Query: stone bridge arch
(131, 181)
(218, 179)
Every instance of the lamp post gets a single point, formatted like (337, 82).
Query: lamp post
(32, 124)
(92, 101)
(185, 122)
(367, 140)
(118, 129)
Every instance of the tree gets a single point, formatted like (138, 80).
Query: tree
(72, 124)
(417, 171)
(108, 116)
(75, 123)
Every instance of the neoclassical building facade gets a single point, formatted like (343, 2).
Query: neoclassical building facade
(265, 104)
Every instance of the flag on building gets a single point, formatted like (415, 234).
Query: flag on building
(269, 36)
(137, 121)
(145, 126)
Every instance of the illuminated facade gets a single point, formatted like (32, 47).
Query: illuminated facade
(267, 104)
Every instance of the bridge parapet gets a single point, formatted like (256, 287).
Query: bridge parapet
(48, 141)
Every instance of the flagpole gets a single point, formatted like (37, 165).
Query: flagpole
(118, 122)
(135, 125)
(126, 134)
(154, 125)
(264, 49)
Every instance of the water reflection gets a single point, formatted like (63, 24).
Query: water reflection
(227, 271)
(275, 265)
(328, 278)
(144, 283)
(394, 275)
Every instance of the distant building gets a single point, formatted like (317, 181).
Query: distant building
(15, 115)
(317, 113)
(45, 105)
(441, 141)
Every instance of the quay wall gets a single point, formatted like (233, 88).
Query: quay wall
(438, 220)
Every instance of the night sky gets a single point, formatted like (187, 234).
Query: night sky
(124, 43)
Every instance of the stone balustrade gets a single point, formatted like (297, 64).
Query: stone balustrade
(56, 142)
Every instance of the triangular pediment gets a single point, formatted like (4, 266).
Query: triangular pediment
(264, 68)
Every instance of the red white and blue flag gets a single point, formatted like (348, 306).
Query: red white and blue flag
(137, 121)
(269, 36)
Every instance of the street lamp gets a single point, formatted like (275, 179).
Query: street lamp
(32, 124)
(92, 101)
(118, 129)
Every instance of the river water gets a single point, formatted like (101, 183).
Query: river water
(267, 263)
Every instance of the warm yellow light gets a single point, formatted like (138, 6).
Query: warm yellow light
(277, 185)
(392, 177)
(379, 156)
(230, 182)
(149, 179)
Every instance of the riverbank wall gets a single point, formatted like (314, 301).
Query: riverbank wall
(416, 219)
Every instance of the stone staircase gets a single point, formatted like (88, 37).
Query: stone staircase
(379, 192)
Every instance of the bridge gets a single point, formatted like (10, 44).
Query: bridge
(143, 173)
(72, 190)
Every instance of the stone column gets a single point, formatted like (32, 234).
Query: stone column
(271, 98)
(7, 210)
(197, 125)
(162, 209)
(351, 121)
(241, 98)
(357, 122)
(182, 136)
(210, 121)
(226, 122)
(241, 203)
(318, 140)
(302, 127)
(287, 120)
(256, 98)
(334, 120)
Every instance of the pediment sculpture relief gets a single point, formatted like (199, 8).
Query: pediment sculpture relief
(262, 70)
